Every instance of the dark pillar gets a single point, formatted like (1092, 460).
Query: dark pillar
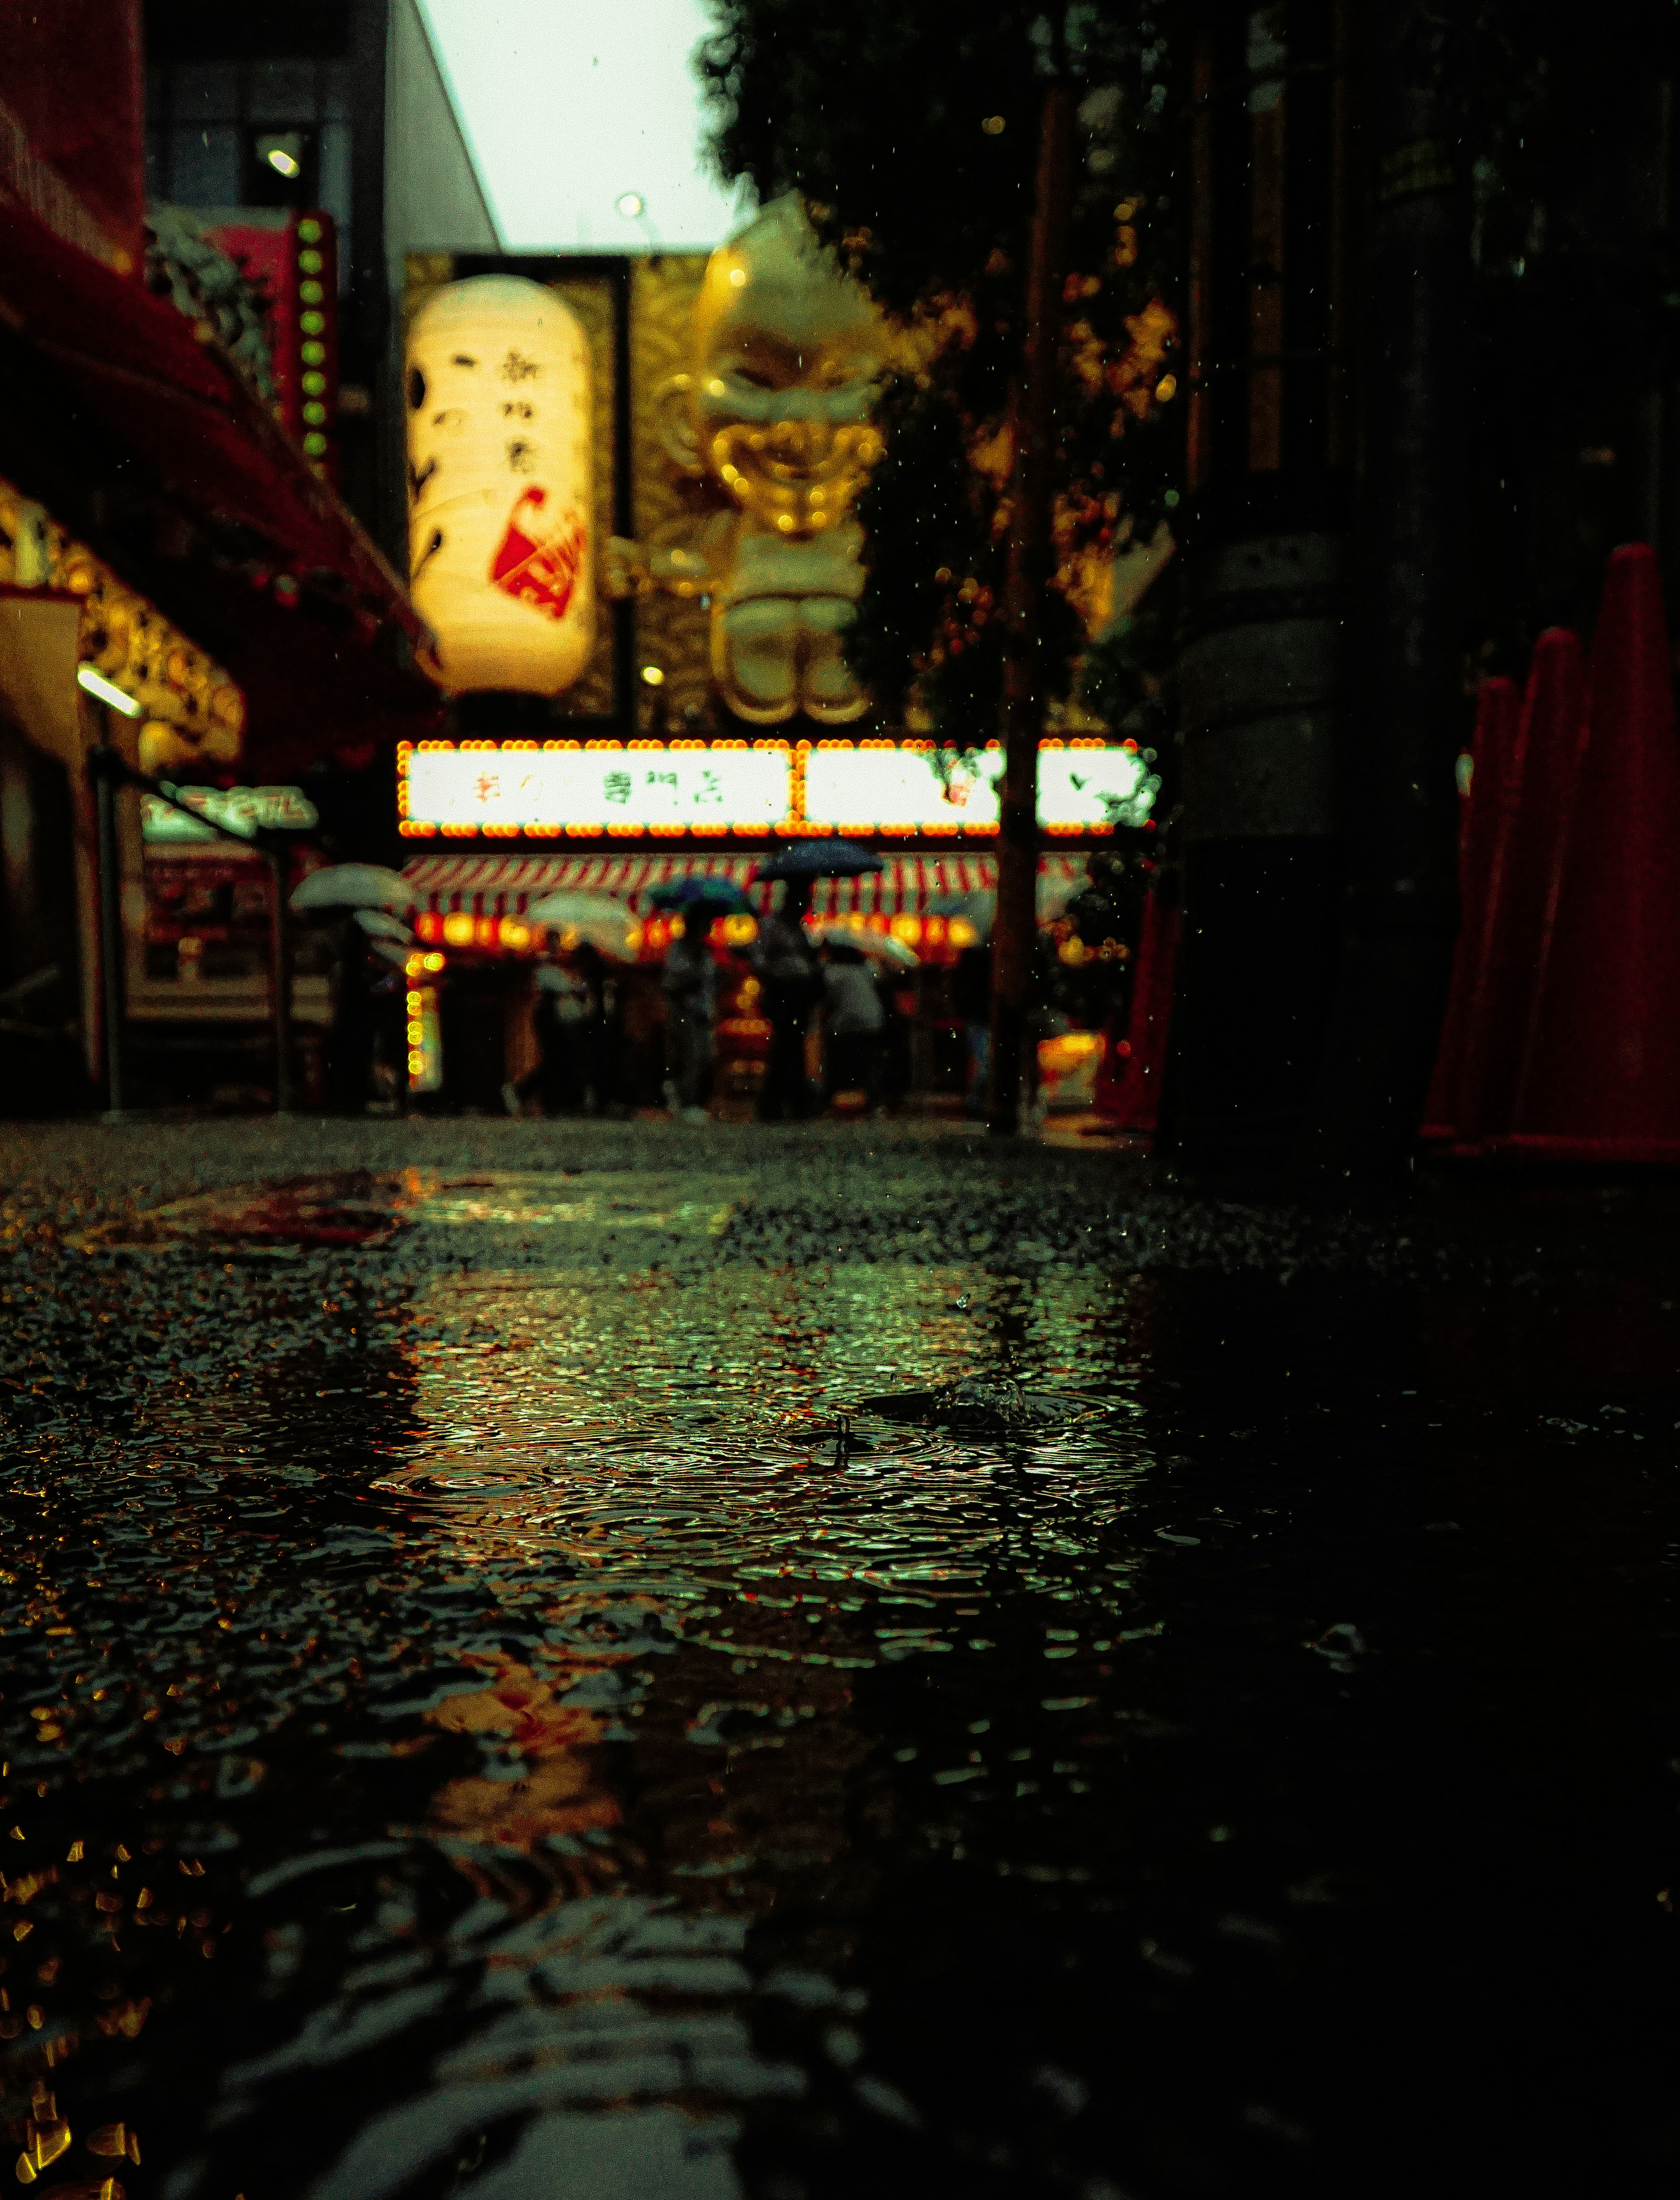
(1401, 907)
(367, 336)
(105, 767)
(1263, 671)
(279, 982)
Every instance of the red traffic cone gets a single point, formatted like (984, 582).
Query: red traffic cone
(1600, 1080)
(1493, 758)
(1132, 1099)
(1537, 799)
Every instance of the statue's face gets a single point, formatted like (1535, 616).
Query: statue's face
(789, 354)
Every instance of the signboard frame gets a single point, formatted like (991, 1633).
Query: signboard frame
(428, 810)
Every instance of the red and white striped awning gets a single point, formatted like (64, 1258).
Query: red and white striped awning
(507, 885)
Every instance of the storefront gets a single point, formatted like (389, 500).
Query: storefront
(149, 498)
(639, 561)
(474, 895)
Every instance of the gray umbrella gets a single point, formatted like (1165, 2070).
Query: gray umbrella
(380, 924)
(353, 886)
(821, 859)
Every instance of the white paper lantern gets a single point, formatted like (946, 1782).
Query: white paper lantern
(502, 538)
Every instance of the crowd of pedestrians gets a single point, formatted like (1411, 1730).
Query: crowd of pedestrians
(803, 986)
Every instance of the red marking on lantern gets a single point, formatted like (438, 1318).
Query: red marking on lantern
(538, 569)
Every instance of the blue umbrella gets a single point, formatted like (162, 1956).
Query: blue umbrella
(821, 859)
(719, 893)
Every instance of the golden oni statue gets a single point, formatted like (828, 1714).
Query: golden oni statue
(787, 351)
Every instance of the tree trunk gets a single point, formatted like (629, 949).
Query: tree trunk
(1015, 932)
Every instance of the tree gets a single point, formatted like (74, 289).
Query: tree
(1002, 181)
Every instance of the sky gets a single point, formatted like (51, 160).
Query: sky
(570, 106)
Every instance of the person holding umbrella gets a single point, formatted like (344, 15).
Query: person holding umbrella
(341, 891)
(689, 983)
(788, 967)
(868, 1047)
(853, 1022)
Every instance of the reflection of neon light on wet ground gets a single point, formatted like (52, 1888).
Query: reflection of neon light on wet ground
(425, 1040)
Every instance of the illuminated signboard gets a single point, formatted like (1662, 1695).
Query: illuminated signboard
(1089, 788)
(858, 790)
(648, 788)
(241, 810)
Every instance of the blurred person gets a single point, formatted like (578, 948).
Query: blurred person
(898, 1008)
(559, 1025)
(971, 998)
(854, 1023)
(592, 973)
(354, 1030)
(787, 967)
(689, 983)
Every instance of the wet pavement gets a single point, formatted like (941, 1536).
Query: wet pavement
(548, 1661)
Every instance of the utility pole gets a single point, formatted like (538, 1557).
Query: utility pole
(1014, 931)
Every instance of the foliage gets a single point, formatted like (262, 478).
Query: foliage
(912, 131)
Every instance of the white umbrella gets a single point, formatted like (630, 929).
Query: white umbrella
(379, 924)
(880, 945)
(352, 886)
(606, 924)
(392, 950)
(1051, 896)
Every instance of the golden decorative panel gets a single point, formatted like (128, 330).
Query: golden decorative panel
(672, 632)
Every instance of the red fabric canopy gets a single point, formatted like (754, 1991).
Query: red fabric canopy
(179, 417)
(507, 885)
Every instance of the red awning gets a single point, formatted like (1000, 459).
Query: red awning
(115, 409)
(507, 885)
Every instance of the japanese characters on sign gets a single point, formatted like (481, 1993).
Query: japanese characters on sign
(242, 810)
(751, 792)
(738, 790)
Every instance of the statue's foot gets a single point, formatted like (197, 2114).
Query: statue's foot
(755, 659)
(826, 688)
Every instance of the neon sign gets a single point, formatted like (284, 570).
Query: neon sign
(646, 788)
(651, 789)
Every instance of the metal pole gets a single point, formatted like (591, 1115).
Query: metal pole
(279, 983)
(106, 766)
(1015, 929)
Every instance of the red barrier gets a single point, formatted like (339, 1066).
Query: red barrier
(1128, 1085)
(1495, 764)
(1600, 1076)
(1519, 899)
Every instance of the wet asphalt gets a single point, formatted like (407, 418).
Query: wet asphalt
(609, 1660)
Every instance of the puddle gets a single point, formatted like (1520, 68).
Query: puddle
(548, 1707)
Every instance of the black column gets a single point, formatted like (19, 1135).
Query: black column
(1263, 668)
(1402, 908)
